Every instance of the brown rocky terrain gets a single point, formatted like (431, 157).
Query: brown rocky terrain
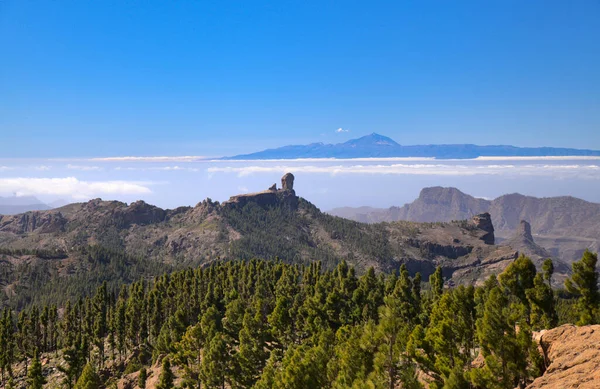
(572, 356)
(268, 224)
(563, 226)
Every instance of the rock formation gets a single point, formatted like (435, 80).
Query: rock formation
(270, 197)
(524, 242)
(572, 356)
(524, 230)
(287, 182)
(141, 212)
(484, 222)
(45, 222)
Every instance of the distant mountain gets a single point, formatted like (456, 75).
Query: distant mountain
(19, 204)
(564, 226)
(74, 240)
(379, 146)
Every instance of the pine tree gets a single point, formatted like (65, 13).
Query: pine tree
(6, 343)
(548, 270)
(35, 377)
(437, 283)
(215, 362)
(189, 353)
(252, 354)
(541, 300)
(305, 366)
(584, 284)
(267, 378)
(352, 356)
(166, 378)
(142, 378)
(391, 360)
(505, 351)
(100, 325)
(448, 337)
(518, 277)
(89, 378)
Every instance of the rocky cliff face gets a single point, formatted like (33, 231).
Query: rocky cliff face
(572, 356)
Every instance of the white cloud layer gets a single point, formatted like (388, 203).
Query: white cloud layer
(558, 171)
(150, 159)
(161, 168)
(71, 186)
(341, 130)
(86, 168)
(43, 168)
(548, 158)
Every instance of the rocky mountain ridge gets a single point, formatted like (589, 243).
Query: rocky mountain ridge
(268, 224)
(563, 226)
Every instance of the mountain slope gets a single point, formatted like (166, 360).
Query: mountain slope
(379, 146)
(564, 226)
(268, 224)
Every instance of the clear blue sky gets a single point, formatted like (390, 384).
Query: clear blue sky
(105, 78)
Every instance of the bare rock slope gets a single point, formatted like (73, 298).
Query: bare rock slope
(573, 358)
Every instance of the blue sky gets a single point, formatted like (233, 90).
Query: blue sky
(84, 80)
(113, 78)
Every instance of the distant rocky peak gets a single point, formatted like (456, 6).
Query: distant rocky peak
(524, 230)
(437, 192)
(372, 140)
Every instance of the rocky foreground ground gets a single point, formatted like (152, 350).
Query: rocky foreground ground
(572, 355)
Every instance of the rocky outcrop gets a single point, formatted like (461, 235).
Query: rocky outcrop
(285, 196)
(524, 242)
(38, 221)
(287, 182)
(524, 230)
(572, 356)
(484, 222)
(141, 212)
